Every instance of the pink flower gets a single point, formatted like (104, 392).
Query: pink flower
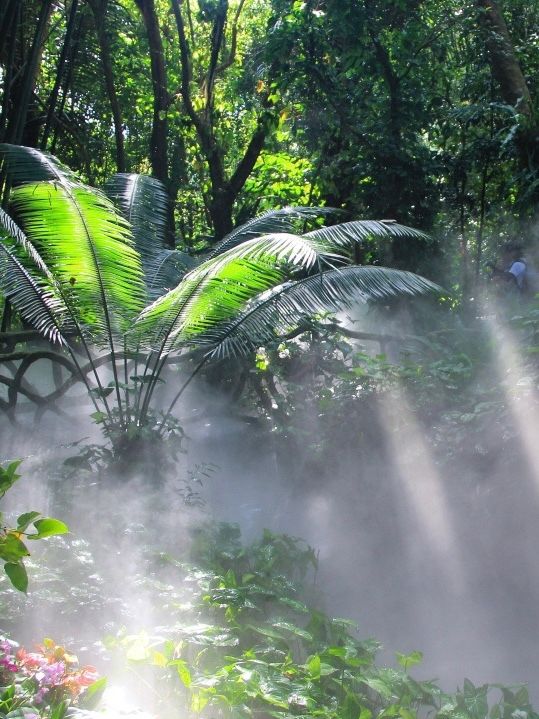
(9, 665)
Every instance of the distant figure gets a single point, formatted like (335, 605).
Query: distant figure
(515, 273)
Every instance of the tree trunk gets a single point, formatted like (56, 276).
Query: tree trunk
(77, 37)
(504, 64)
(59, 73)
(224, 192)
(21, 102)
(158, 140)
(99, 9)
(10, 44)
(507, 72)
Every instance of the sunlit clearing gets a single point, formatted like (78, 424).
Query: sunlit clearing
(422, 485)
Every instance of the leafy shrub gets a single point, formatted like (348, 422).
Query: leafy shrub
(244, 642)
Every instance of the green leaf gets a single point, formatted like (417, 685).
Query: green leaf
(12, 548)
(25, 519)
(59, 711)
(8, 476)
(93, 694)
(266, 632)
(365, 713)
(101, 392)
(48, 527)
(98, 417)
(146, 378)
(16, 572)
(409, 660)
(314, 666)
(8, 693)
(183, 671)
(88, 247)
(406, 713)
(273, 314)
(298, 631)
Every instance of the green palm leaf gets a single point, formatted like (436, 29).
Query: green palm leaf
(89, 249)
(27, 164)
(11, 231)
(281, 309)
(32, 295)
(283, 220)
(166, 270)
(347, 234)
(220, 287)
(145, 204)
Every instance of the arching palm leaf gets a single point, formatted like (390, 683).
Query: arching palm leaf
(145, 204)
(9, 230)
(283, 220)
(347, 234)
(166, 270)
(278, 311)
(88, 248)
(31, 295)
(219, 288)
(26, 164)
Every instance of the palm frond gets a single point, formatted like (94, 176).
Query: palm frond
(31, 295)
(27, 164)
(219, 288)
(346, 234)
(165, 270)
(145, 204)
(280, 310)
(89, 249)
(272, 221)
(10, 230)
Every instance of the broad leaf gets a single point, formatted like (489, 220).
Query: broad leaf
(16, 572)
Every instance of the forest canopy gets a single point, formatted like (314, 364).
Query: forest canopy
(422, 112)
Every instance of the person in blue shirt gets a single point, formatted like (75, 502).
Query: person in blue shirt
(514, 273)
(514, 266)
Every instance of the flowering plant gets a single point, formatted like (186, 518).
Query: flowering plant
(43, 683)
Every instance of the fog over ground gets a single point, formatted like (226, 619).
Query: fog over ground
(440, 559)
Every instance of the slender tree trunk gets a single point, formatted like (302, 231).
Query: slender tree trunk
(159, 136)
(21, 104)
(99, 9)
(395, 170)
(8, 10)
(10, 28)
(68, 79)
(224, 192)
(59, 73)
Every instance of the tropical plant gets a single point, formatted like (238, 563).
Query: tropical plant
(13, 550)
(84, 272)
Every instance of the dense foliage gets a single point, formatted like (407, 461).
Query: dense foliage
(420, 111)
(243, 640)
